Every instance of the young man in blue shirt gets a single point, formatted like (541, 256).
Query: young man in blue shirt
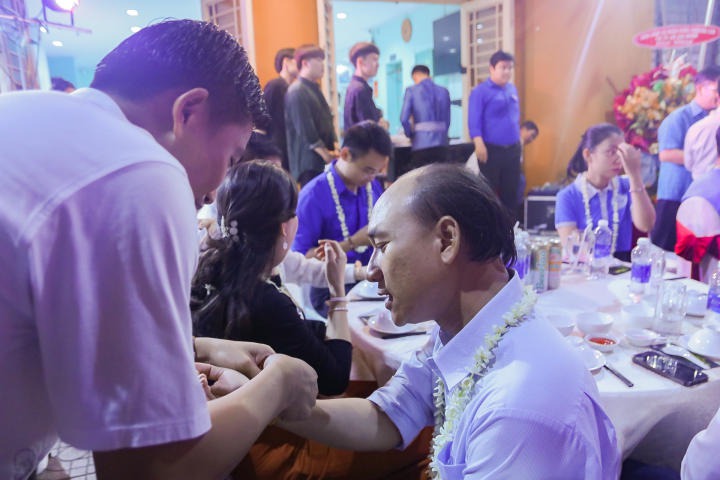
(494, 124)
(336, 204)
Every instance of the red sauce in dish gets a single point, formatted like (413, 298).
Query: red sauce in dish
(602, 341)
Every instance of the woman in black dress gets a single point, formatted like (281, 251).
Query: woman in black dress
(235, 294)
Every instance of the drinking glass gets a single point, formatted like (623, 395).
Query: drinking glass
(671, 308)
(572, 249)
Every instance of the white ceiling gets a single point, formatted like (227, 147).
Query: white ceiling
(109, 24)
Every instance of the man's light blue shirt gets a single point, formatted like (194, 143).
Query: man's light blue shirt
(318, 219)
(533, 415)
(674, 179)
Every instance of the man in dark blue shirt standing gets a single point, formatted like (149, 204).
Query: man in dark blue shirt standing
(359, 104)
(494, 124)
(428, 105)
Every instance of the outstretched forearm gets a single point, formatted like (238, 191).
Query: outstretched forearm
(348, 423)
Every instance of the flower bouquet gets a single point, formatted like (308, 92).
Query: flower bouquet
(650, 98)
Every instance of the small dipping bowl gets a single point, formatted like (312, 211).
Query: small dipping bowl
(594, 322)
(603, 342)
(564, 323)
(638, 315)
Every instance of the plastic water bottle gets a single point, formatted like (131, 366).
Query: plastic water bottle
(522, 264)
(657, 255)
(642, 263)
(600, 262)
(713, 301)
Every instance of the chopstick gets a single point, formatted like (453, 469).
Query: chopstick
(619, 375)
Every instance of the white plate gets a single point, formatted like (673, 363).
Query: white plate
(642, 337)
(696, 344)
(594, 360)
(367, 289)
(391, 329)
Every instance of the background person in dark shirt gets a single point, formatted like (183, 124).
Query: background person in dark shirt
(275, 91)
(308, 120)
(359, 104)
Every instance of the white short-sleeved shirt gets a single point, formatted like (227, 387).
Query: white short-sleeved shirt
(97, 248)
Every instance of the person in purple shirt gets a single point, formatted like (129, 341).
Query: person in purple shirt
(502, 405)
(359, 103)
(336, 204)
(494, 125)
(425, 118)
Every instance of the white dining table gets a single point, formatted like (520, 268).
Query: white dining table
(655, 419)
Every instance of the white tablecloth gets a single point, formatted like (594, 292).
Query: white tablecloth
(655, 420)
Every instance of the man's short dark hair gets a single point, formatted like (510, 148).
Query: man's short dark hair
(260, 147)
(485, 226)
(181, 55)
(365, 136)
(500, 56)
(60, 84)
(420, 69)
(306, 52)
(361, 49)
(709, 74)
(530, 125)
(281, 55)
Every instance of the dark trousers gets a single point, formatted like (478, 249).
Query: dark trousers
(502, 171)
(664, 232)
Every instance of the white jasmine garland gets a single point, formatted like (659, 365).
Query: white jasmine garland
(447, 416)
(615, 207)
(341, 213)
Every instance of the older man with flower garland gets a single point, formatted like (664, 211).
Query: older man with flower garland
(504, 407)
(336, 204)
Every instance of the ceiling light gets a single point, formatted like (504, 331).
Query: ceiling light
(134, 29)
(341, 15)
(446, 38)
(453, 50)
(479, 26)
(61, 5)
(43, 29)
(132, 12)
(57, 43)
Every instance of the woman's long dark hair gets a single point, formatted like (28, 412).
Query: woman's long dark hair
(253, 201)
(592, 137)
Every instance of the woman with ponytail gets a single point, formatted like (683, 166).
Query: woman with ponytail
(235, 293)
(600, 192)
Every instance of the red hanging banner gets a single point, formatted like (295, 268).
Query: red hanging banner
(677, 36)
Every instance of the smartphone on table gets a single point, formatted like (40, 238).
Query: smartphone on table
(676, 369)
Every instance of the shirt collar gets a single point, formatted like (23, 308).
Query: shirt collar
(339, 184)
(696, 109)
(454, 359)
(592, 191)
(99, 99)
(360, 79)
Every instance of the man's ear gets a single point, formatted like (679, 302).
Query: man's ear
(448, 232)
(189, 109)
(345, 154)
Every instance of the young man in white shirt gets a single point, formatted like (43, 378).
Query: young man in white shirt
(98, 252)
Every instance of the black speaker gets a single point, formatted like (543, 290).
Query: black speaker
(540, 212)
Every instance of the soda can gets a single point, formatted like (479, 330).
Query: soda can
(554, 264)
(539, 261)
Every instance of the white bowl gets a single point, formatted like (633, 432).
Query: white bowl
(642, 337)
(594, 322)
(696, 303)
(593, 359)
(563, 322)
(705, 342)
(640, 315)
(603, 341)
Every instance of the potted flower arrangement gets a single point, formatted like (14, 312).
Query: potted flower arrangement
(650, 98)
